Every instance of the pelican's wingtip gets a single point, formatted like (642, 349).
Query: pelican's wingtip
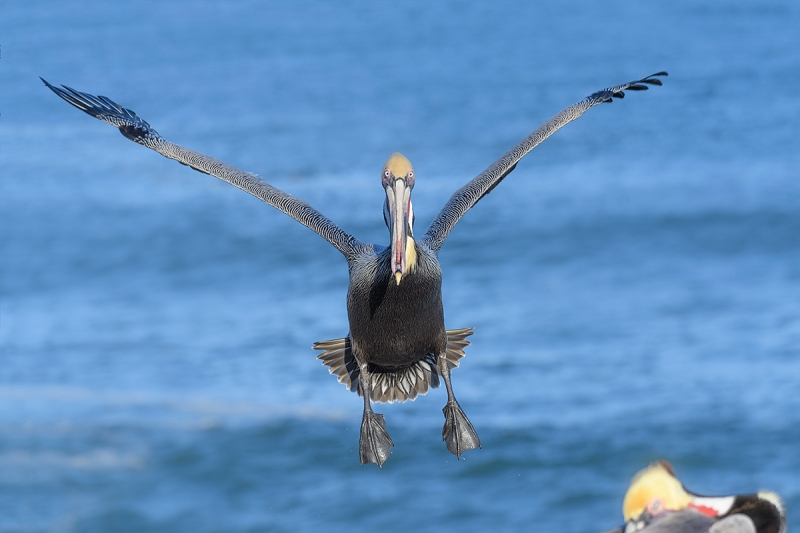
(652, 79)
(49, 85)
(608, 95)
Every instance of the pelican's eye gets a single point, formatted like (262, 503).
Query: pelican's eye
(387, 177)
(410, 178)
(655, 506)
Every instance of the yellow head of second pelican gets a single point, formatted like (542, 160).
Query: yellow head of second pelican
(655, 490)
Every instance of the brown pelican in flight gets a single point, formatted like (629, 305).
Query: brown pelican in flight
(397, 346)
(657, 502)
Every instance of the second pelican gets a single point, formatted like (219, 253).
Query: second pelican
(657, 502)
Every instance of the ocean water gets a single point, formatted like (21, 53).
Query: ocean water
(633, 285)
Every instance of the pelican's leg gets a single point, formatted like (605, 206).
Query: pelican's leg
(374, 443)
(458, 433)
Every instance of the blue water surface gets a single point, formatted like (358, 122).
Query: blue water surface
(633, 285)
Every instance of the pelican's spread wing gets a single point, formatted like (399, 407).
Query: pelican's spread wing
(467, 196)
(137, 130)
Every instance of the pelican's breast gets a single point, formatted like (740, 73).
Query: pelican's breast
(393, 325)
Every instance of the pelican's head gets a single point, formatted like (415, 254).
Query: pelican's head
(398, 180)
(653, 492)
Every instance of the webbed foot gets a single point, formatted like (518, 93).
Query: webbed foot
(458, 433)
(375, 443)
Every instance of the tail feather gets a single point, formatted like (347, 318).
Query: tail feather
(456, 343)
(387, 387)
(338, 356)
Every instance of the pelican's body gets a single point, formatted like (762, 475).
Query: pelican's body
(397, 347)
(657, 502)
(374, 297)
(693, 521)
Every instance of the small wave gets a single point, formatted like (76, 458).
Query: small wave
(99, 459)
(180, 411)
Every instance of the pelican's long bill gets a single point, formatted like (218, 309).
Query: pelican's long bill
(398, 181)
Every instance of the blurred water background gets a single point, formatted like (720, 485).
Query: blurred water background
(633, 285)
